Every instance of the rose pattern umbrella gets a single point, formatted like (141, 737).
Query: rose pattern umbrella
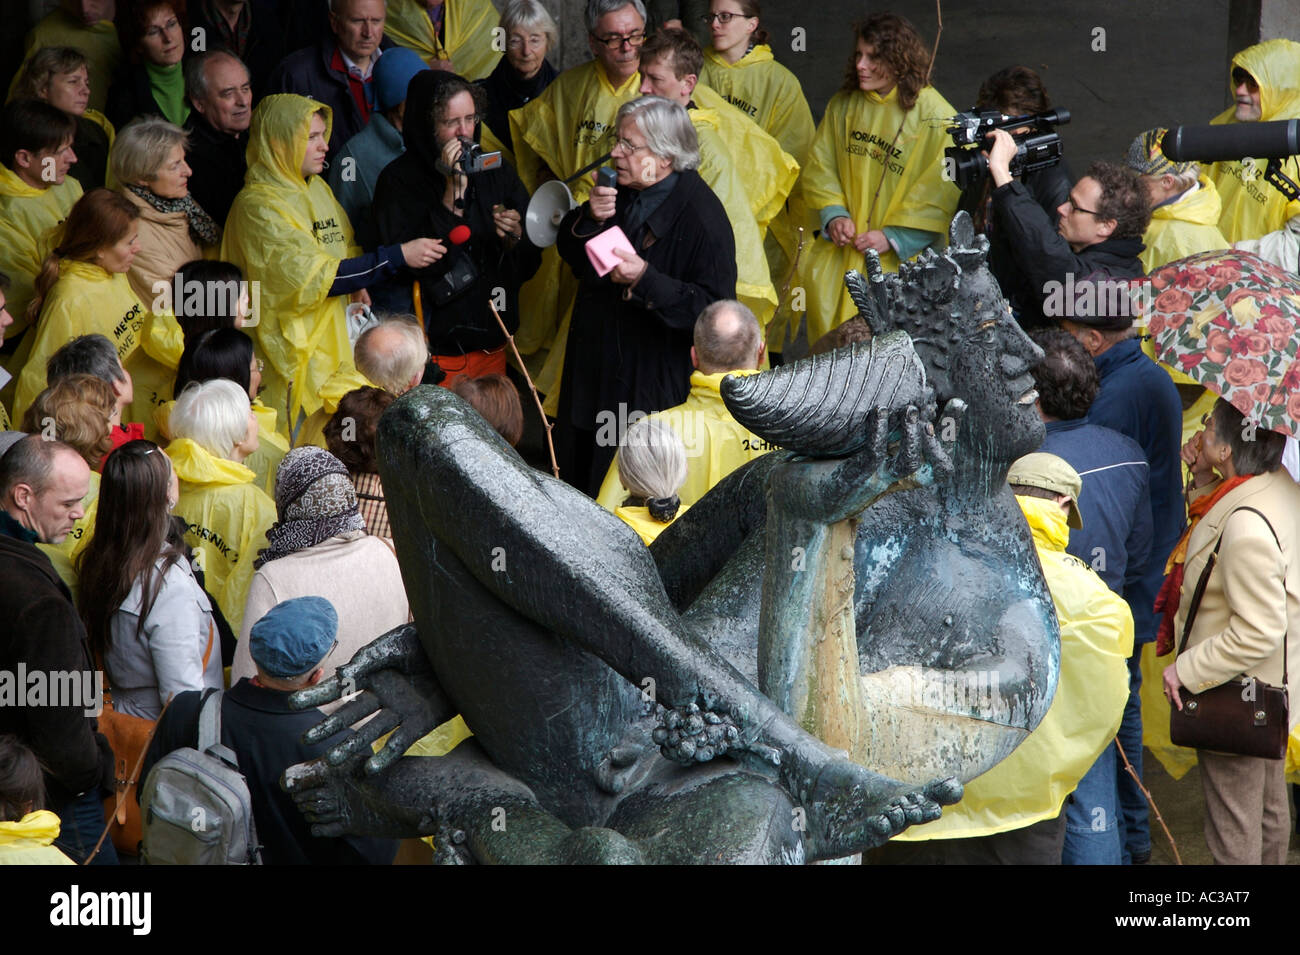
(1228, 320)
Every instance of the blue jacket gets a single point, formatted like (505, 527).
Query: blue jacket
(1139, 400)
(1115, 503)
(355, 170)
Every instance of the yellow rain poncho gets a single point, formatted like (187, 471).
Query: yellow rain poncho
(1252, 207)
(639, 519)
(1032, 783)
(27, 219)
(885, 166)
(99, 43)
(29, 841)
(85, 300)
(226, 518)
(723, 175)
(290, 235)
(767, 93)
(153, 372)
(64, 554)
(271, 445)
(331, 393)
(467, 30)
(768, 171)
(565, 128)
(716, 444)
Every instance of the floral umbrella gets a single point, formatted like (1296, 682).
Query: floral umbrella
(1228, 319)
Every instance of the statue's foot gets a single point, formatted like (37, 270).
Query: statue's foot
(850, 809)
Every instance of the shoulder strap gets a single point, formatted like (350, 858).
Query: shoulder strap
(210, 721)
(1199, 592)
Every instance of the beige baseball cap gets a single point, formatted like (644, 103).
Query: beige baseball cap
(1051, 473)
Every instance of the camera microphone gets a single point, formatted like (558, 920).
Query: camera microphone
(459, 235)
(1232, 141)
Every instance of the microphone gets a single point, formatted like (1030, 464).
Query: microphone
(1274, 140)
(460, 235)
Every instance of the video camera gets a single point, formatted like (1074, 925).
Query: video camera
(473, 159)
(1037, 148)
(1274, 141)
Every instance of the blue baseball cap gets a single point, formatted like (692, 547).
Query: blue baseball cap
(393, 72)
(294, 636)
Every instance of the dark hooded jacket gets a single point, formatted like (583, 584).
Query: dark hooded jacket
(408, 205)
(1040, 254)
(506, 90)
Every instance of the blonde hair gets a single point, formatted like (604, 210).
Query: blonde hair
(79, 407)
(141, 148)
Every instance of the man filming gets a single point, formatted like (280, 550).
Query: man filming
(1098, 234)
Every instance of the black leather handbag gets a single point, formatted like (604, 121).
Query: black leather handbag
(1244, 717)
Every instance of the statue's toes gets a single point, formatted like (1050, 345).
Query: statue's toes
(945, 792)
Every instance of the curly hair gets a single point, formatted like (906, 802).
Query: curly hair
(1066, 378)
(355, 445)
(1123, 198)
(1015, 90)
(79, 407)
(899, 44)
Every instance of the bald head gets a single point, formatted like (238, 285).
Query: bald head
(393, 354)
(727, 338)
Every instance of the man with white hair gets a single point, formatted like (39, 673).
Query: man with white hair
(728, 341)
(629, 343)
(391, 355)
(41, 487)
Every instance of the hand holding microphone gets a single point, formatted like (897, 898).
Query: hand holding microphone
(421, 253)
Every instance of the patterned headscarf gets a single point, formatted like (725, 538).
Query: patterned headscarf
(315, 501)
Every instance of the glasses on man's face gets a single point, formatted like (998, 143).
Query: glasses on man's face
(1240, 76)
(723, 18)
(1069, 200)
(627, 147)
(453, 122)
(615, 41)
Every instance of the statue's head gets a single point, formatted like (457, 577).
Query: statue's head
(951, 306)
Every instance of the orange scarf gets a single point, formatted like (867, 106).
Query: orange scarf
(1171, 591)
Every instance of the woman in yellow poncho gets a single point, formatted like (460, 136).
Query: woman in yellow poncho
(740, 66)
(287, 233)
(875, 169)
(226, 515)
(82, 289)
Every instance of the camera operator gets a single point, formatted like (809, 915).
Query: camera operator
(426, 191)
(1097, 235)
(1014, 91)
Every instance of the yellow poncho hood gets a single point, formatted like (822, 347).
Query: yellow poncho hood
(28, 841)
(290, 234)
(469, 34)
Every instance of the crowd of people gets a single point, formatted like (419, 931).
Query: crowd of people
(232, 234)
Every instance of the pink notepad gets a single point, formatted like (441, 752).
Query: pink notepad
(600, 250)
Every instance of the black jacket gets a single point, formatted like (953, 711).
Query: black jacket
(91, 146)
(408, 205)
(42, 633)
(632, 346)
(265, 40)
(307, 72)
(1040, 255)
(506, 91)
(266, 738)
(217, 163)
(130, 96)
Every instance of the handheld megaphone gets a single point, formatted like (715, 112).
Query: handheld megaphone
(549, 204)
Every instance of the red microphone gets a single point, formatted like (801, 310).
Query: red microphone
(460, 235)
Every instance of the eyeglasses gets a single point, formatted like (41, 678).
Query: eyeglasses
(723, 18)
(627, 147)
(1240, 76)
(614, 42)
(157, 33)
(535, 41)
(452, 122)
(1078, 208)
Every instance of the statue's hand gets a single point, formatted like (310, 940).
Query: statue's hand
(828, 491)
(396, 683)
(336, 802)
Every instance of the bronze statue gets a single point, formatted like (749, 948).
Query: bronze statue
(612, 690)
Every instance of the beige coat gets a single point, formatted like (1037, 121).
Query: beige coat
(165, 245)
(1252, 599)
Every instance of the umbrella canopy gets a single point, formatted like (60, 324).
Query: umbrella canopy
(1228, 320)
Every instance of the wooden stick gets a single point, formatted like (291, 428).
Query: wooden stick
(510, 340)
(1178, 860)
(780, 299)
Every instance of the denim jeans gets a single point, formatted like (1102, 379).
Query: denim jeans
(1092, 818)
(81, 823)
(1132, 804)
